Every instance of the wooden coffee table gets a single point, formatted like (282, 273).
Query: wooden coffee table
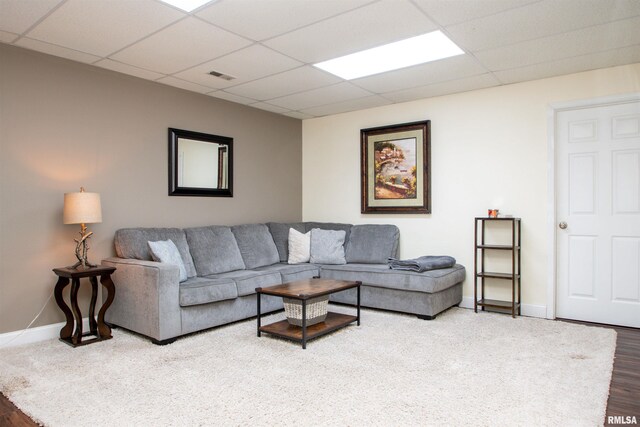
(305, 290)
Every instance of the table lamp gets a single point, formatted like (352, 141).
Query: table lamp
(82, 208)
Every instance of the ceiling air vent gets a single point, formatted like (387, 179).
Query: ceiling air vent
(222, 76)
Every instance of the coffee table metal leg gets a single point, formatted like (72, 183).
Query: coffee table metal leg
(358, 306)
(304, 324)
(258, 297)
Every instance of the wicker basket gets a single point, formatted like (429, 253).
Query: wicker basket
(316, 310)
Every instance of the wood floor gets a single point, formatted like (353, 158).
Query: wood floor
(624, 392)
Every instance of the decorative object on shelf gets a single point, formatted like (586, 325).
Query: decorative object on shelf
(316, 310)
(514, 247)
(82, 208)
(200, 164)
(493, 213)
(396, 168)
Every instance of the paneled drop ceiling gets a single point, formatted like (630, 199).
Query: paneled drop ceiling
(269, 46)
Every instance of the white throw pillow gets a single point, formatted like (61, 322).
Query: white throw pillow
(166, 251)
(327, 246)
(299, 247)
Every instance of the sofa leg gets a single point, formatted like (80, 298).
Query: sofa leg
(425, 317)
(163, 342)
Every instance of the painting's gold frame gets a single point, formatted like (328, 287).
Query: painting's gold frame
(422, 203)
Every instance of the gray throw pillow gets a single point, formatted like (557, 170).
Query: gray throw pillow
(166, 251)
(327, 246)
(132, 243)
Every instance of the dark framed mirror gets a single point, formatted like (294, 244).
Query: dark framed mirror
(200, 164)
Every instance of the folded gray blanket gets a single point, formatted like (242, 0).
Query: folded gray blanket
(422, 263)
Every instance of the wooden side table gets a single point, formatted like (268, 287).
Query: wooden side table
(98, 328)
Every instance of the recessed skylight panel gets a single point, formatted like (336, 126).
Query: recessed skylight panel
(405, 53)
(186, 5)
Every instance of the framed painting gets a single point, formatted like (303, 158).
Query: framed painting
(396, 168)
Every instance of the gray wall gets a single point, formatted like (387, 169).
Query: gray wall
(64, 125)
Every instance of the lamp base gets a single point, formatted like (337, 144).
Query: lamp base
(82, 248)
(82, 265)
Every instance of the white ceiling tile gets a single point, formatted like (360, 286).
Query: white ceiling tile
(16, 16)
(538, 20)
(345, 106)
(52, 49)
(260, 19)
(6, 37)
(245, 65)
(321, 96)
(101, 27)
(231, 97)
(580, 42)
(447, 12)
(128, 69)
(298, 115)
(516, 39)
(627, 55)
(182, 45)
(420, 75)
(444, 88)
(373, 25)
(298, 80)
(269, 107)
(172, 81)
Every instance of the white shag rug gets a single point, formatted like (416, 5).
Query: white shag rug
(461, 369)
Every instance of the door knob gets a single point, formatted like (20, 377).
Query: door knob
(562, 225)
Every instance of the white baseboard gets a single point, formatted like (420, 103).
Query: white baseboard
(528, 310)
(47, 332)
(40, 333)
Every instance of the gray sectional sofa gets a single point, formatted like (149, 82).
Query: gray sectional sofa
(225, 264)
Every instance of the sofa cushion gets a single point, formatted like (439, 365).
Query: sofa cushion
(132, 243)
(248, 280)
(280, 234)
(167, 252)
(214, 250)
(199, 290)
(380, 275)
(256, 245)
(327, 246)
(293, 272)
(330, 226)
(372, 243)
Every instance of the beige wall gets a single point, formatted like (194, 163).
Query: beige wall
(64, 125)
(489, 149)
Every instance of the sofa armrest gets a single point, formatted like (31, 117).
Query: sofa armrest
(147, 297)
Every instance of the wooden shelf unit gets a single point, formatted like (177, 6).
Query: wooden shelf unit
(480, 249)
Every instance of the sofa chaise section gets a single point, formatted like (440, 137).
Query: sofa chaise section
(424, 294)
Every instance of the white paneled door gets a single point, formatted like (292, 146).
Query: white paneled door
(598, 213)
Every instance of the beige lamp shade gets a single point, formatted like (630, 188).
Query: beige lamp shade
(82, 208)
